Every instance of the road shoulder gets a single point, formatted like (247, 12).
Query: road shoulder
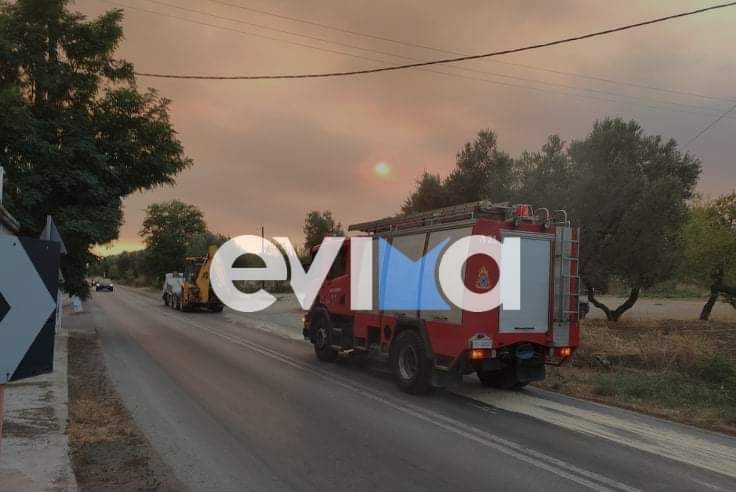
(35, 445)
(108, 450)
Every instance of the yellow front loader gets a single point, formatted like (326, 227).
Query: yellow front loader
(196, 291)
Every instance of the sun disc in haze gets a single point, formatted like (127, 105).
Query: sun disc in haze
(382, 169)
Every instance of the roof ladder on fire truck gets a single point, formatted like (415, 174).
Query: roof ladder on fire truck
(567, 278)
(455, 213)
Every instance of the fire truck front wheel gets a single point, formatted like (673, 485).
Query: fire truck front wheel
(410, 364)
(321, 340)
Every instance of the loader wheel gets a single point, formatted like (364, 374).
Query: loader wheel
(321, 340)
(502, 379)
(410, 364)
(166, 300)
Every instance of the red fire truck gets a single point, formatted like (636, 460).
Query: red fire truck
(427, 348)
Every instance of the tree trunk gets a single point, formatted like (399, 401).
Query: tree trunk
(705, 313)
(715, 289)
(628, 304)
(614, 314)
(598, 304)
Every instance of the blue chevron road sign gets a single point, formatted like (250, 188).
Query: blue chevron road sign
(29, 274)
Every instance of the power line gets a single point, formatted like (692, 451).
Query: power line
(384, 53)
(619, 82)
(449, 74)
(441, 61)
(333, 28)
(711, 125)
(458, 53)
(239, 31)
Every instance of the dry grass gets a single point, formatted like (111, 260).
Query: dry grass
(98, 422)
(682, 370)
(108, 451)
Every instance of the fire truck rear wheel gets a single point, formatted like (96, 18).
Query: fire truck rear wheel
(410, 364)
(321, 340)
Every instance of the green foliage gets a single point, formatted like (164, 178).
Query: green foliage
(709, 240)
(128, 267)
(318, 225)
(76, 135)
(630, 195)
(628, 191)
(169, 230)
(709, 395)
(482, 172)
(172, 231)
(429, 194)
(545, 178)
(199, 244)
(716, 369)
(709, 246)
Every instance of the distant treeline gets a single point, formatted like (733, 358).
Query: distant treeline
(643, 228)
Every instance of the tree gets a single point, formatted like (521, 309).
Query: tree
(544, 179)
(629, 195)
(318, 225)
(169, 230)
(627, 191)
(709, 246)
(482, 172)
(76, 135)
(200, 243)
(428, 195)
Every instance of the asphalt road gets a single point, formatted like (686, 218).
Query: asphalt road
(231, 407)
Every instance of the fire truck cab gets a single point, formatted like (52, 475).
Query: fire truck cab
(433, 348)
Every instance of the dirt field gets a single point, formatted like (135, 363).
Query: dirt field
(649, 309)
(681, 370)
(108, 451)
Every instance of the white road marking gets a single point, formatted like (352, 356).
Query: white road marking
(667, 442)
(586, 478)
(637, 433)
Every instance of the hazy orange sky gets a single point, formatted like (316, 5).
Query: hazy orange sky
(266, 152)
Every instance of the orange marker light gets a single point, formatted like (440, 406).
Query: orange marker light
(565, 352)
(476, 354)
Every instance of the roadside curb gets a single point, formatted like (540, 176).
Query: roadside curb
(35, 445)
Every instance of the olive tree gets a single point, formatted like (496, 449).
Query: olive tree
(629, 193)
(709, 240)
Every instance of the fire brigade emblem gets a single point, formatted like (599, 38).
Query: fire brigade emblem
(483, 282)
